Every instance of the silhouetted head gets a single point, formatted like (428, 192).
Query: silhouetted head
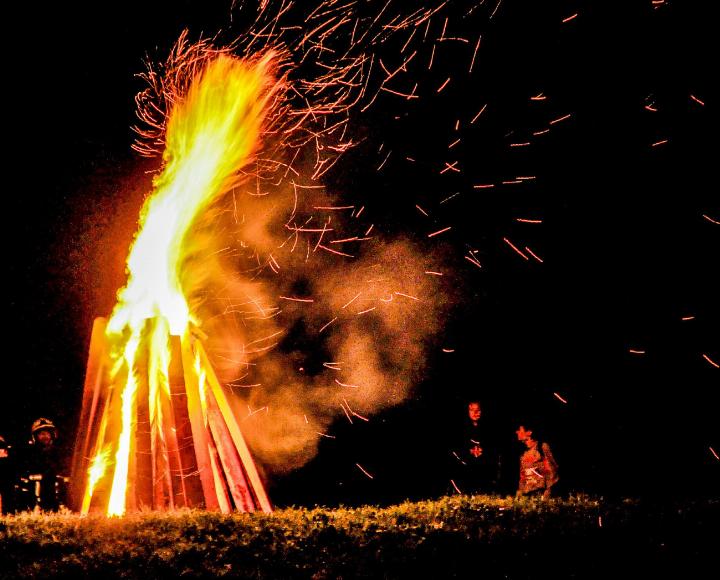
(43, 432)
(474, 411)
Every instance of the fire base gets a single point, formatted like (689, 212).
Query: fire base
(186, 448)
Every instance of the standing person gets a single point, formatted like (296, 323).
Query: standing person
(6, 476)
(476, 454)
(42, 468)
(538, 468)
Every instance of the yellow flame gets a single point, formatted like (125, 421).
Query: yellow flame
(200, 372)
(116, 506)
(211, 135)
(96, 472)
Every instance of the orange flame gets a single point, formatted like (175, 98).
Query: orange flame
(211, 135)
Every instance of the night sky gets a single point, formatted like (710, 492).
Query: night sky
(610, 343)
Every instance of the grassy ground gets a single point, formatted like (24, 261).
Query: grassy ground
(478, 537)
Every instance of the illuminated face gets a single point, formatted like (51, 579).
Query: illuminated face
(44, 438)
(474, 411)
(523, 434)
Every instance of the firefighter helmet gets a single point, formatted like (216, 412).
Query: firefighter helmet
(43, 424)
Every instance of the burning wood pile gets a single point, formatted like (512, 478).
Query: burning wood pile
(157, 430)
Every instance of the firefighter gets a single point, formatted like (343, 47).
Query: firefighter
(42, 482)
(6, 476)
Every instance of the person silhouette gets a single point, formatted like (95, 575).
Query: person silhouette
(538, 468)
(476, 466)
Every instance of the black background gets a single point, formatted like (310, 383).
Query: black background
(627, 252)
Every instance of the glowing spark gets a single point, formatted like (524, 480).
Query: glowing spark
(439, 232)
(560, 119)
(422, 211)
(327, 324)
(480, 112)
(322, 233)
(347, 385)
(360, 467)
(477, 46)
(483, 186)
(569, 18)
(433, 273)
(524, 144)
(473, 260)
(296, 299)
(448, 350)
(442, 34)
(661, 142)
(457, 489)
(514, 247)
(444, 84)
(384, 161)
(368, 310)
(538, 97)
(688, 317)
(450, 197)
(712, 362)
(560, 398)
(408, 296)
(529, 251)
(346, 413)
(353, 300)
(408, 96)
(708, 218)
(334, 207)
(694, 98)
(353, 413)
(528, 221)
(714, 453)
(450, 167)
(408, 40)
(322, 247)
(635, 351)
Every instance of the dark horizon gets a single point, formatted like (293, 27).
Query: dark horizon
(608, 342)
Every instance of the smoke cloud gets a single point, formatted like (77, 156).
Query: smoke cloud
(299, 334)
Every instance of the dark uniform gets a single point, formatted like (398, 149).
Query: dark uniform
(42, 481)
(476, 459)
(6, 477)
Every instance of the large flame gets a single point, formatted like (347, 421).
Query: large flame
(211, 136)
